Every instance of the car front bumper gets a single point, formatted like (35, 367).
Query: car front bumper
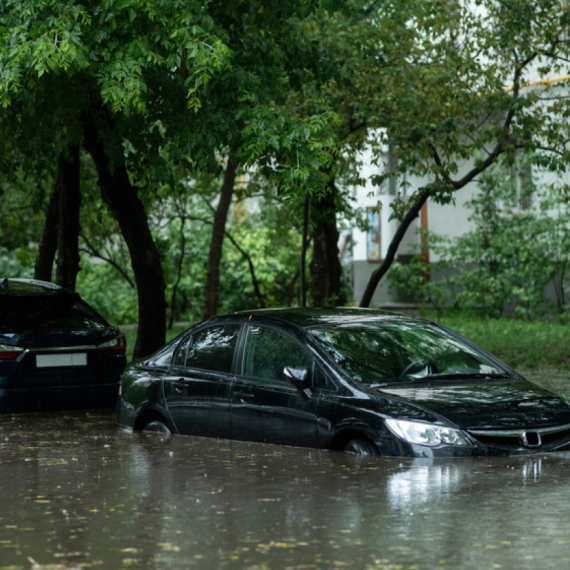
(401, 448)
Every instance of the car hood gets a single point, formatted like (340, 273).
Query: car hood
(498, 404)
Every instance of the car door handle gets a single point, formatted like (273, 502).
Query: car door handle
(244, 396)
(179, 384)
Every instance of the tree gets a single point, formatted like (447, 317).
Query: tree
(140, 84)
(362, 47)
(474, 106)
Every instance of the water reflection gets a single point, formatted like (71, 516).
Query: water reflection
(77, 492)
(415, 486)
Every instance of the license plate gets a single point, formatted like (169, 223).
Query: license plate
(64, 359)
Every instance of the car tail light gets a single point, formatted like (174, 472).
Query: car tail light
(116, 346)
(8, 352)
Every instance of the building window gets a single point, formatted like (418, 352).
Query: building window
(373, 252)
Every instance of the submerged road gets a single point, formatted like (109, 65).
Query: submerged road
(77, 492)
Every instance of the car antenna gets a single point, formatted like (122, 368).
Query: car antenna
(4, 283)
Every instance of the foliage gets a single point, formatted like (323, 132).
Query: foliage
(413, 281)
(180, 221)
(463, 97)
(275, 255)
(101, 286)
(15, 262)
(22, 198)
(520, 246)
(282, 86)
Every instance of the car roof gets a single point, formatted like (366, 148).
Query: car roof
(308, 318)
(16, 286)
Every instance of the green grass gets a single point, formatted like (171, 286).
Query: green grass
(520, 344)
(539, 350)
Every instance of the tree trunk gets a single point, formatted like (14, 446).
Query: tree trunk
(121, 197)
(414, 212)
(179, 272)
(69, 228)
(377, 275)
(48, 242)
(211, 290)
(303, 269)
(326, 270)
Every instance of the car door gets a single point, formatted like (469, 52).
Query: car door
(197, 386)
(265, 406)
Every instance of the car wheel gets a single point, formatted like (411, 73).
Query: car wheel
(157, 426)
(361, 447)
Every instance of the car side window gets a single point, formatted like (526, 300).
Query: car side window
(213, 348)
(268, 352)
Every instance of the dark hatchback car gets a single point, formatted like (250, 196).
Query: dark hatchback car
(56, 352)
(364, 381)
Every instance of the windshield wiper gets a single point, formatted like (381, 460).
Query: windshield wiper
(471, 375)
(408, 380)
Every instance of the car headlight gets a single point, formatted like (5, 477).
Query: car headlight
(426, 434)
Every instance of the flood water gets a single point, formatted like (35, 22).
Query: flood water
(77, 492)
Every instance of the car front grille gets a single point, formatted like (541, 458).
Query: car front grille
(531, 438)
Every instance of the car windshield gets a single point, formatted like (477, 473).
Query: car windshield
(386, 352)
(20, 313)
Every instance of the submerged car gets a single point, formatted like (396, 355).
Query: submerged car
(56, 352)
(365, 381)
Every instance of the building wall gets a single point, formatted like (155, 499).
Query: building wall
(451, 220)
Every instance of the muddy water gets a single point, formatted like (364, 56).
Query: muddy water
(76, 492)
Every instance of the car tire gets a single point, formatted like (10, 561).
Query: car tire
(157, 426)
(361, 447)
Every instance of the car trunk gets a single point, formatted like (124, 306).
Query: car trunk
(59, 335)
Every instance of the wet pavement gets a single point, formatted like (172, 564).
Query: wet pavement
(77, 492)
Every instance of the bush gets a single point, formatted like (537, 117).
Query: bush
(520, 245)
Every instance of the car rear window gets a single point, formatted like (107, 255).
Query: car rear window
(20, 313)
(213, 348)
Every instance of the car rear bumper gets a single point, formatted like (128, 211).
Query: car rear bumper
(52, 398)
(125, 414)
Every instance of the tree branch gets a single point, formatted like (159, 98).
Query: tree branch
(96, 253)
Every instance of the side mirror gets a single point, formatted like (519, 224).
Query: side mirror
(300, 378)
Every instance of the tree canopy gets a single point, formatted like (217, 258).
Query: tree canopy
(142, 84)
(291, 90)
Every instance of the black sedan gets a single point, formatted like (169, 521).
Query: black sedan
(365, 381)
(56, 352)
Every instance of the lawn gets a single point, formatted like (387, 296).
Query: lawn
(539, 350)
